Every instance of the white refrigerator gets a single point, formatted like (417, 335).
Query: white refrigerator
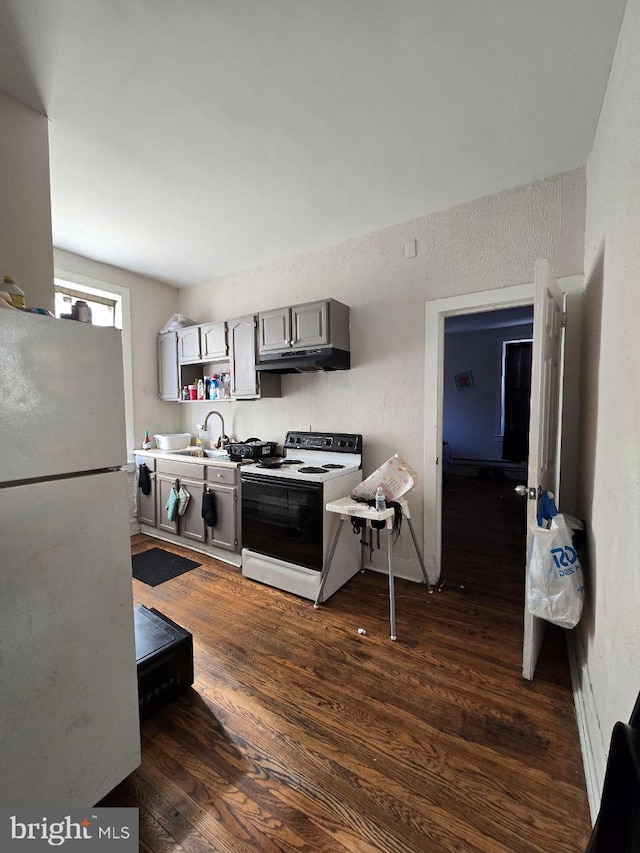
(69, 727)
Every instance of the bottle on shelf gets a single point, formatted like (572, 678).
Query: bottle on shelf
(185, 393)
(381, 503)
(146, 441)
(213, 387)
(200, 392)
(16, 295)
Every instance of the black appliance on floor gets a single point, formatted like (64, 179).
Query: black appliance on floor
(164, 653)
(617, 829)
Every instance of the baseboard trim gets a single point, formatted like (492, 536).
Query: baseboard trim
(592, 744)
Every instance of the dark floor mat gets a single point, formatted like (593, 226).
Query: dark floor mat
(156, 566)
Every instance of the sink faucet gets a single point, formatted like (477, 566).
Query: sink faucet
(203, 427)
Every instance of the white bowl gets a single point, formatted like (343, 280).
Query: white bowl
(173, 440)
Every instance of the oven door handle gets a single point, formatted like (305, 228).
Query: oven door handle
(290, 485)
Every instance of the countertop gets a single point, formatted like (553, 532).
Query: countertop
(191, 460)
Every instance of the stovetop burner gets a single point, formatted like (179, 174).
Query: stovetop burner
(310, 469)
(292, 462)
(332, 465)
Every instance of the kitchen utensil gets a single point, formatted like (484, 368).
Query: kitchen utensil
(252, 448)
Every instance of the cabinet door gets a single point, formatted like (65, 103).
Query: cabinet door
(189, 344)
(163, 488)
(147, 504)
(168, 380)
(213, 340)
(192, 523)
(225, 532)
(242, 334)
(274, 330)
(310, 325)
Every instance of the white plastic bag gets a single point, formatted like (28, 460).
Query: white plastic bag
(177, 321)
(555, 583)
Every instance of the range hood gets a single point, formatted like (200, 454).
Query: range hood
(305, 360)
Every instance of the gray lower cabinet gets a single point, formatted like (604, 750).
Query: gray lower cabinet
(192, 523)
(222, 482)
(168, 375)
(225, 532)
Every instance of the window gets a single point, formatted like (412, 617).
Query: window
(507, 348)
(106, 308)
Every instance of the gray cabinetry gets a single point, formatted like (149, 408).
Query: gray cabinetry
(242, 337)
(274, 329)
(310, 325)
(192, 523)
(189, 344)
(221, 481)
(213, 341)
(225, 532)
(146, 504)
(324, 323)
(168, 376)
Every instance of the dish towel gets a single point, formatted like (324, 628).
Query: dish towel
(183, 500)
(144, 479)
(172, 505)
(209, 508)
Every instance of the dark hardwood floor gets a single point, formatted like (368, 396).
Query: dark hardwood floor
(302, 735)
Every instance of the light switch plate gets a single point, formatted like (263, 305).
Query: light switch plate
(411, 249)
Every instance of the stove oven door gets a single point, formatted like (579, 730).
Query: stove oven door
(283, 519)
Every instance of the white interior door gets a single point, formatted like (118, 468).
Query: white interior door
(544, 426)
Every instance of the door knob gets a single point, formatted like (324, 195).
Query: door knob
(523, 490)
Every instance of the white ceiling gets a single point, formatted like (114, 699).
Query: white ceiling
(194, 138)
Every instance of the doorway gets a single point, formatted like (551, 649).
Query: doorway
(486, 386)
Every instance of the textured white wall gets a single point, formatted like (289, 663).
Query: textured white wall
(610, 446)
(26, 250)
(489, 243)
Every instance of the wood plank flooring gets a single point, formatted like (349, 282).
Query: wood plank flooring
(302, 735)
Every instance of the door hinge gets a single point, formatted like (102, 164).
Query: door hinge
(564, 319)
(235, 543)
(235, 497)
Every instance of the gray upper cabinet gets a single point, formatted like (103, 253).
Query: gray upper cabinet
(213, 341)
(246, 383)
(242, 340)
(274, 329)
(189, 344)
(168, 377)
(310, 325)
(324, 323)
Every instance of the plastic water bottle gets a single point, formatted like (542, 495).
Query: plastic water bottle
(381, 503)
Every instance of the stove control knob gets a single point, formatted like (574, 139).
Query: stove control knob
(327, 441)
(342, 443)
(349, 444)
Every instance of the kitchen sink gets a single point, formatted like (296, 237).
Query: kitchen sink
(210, 454)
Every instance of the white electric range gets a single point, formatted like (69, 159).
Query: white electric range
(286, 530)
